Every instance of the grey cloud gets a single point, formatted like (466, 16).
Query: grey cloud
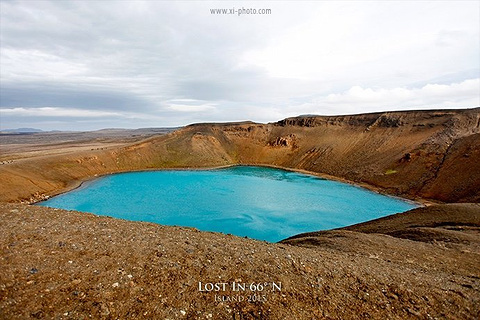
(39, 95)
(147, 44)
(136, 57)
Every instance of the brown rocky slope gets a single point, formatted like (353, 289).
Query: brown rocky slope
(415, 154)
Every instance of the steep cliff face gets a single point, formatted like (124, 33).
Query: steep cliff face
(430, 154)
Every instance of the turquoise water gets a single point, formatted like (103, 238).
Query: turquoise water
(261, 203)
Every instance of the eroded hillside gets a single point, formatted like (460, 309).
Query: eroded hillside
(427, 154)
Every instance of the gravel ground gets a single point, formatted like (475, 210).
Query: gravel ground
(58, 264)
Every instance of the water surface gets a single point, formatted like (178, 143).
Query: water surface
(261, 203)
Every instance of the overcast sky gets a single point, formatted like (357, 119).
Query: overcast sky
(83, 65)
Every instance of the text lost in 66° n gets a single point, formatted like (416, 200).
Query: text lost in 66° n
(239, 286)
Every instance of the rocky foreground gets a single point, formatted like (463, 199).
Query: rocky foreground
(58, 264)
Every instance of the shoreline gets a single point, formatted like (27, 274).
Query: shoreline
(420, 202)
(85, 183)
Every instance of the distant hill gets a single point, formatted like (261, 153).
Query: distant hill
(21, 130)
